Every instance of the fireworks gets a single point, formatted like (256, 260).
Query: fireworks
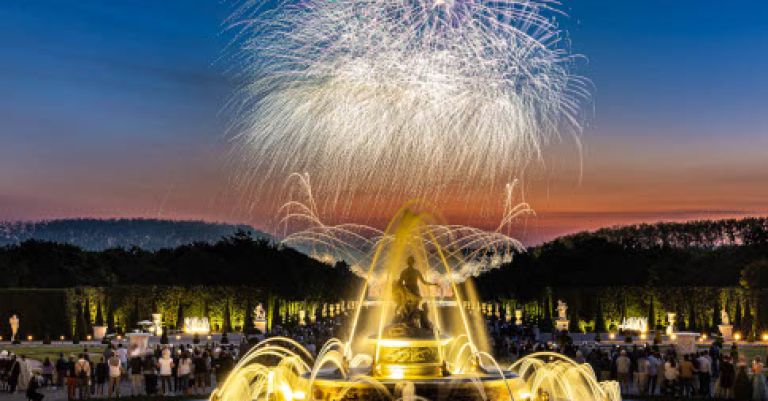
(405, 98)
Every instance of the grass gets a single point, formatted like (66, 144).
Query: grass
(40, 352)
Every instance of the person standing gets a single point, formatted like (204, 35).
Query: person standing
(671, 377)
(25, 373)
(686, 376)
(83, 374)
(101, 373)
(200, 372)
(115, 373)
(184, 370)
(742, 386)
(61, 370)
(165, 366)
(47, 372)
(623, 366)
(705, 374)
(758, 380)
(135, 367)
(122, 353)
(150, 373)
(71, 378)
(654, 364)
(642, 373)
(727, 378)
(13, 374)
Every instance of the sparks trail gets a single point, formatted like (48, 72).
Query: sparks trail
(410, 98)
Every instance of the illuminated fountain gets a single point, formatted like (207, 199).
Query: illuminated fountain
(413, 340)
(436, 100)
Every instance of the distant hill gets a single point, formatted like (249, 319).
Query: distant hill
(97, 234)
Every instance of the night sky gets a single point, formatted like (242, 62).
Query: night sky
(114, 108)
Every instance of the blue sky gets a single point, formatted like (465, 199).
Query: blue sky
(113, 108)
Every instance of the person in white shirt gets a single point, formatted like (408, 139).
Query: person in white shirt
(184, 372)
(671, 374)
(623, 365)
(115, 372)
(165, 365)
(122, 353)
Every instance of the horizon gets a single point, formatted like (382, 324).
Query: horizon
(540, 240)
(115, 110)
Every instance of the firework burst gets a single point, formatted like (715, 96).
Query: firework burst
(401, 98)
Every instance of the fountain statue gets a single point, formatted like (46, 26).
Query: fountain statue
(407, 343)
(14, 322)
(409, 316)
(671, 317)
(724, 317)
(562, 322)
(260, 318)
(726, 328)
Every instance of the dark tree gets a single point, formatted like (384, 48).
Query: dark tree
(227, 318)
(693, 324)
(715, 315)
(79, 333)
(110, 317)
(87, 315)
(180, 316)
(754, 278)
(651, 315)
(748, 323)
(599, 318)
(135, 316)
(248, 319)
(99, 315)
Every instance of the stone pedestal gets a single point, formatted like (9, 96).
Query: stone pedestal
(138, 342)
(99, 332)
(561, 325)
(685, 343)
(727, 331)
(260, 325)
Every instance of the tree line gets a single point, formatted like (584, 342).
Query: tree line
(238, 260)
(699, 234)
(608, 258)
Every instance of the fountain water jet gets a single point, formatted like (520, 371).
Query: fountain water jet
(405, 346)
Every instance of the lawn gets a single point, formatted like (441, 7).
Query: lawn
(40, 352)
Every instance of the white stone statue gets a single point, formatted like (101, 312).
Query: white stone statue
(259, 314)
(14, 322)
(724, 317)
(562, 308)
(671, 317)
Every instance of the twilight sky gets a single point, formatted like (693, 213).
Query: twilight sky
(113, 108)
